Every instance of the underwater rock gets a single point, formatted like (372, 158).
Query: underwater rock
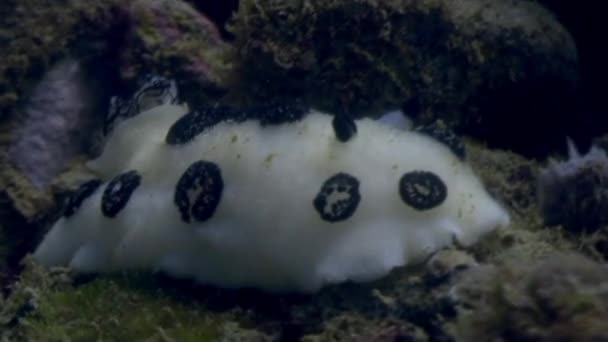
(509, 176)
(486, 67)
(55, 124)
(118, 39)
(354, 327)
(446, 263)
(172, 38)
(36, 34)
(20, 208)
(50, 305)
(560, 298)
(574, 193)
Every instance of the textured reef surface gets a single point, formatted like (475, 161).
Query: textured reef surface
(513, 78)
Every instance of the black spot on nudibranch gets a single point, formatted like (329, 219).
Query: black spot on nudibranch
(422, 190)
(338, 198)
(84, 191)
(344, 127)
(440, 131)
(117, 193)
(198, 191)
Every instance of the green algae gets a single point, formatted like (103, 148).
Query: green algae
(53, 306)
(109, 309)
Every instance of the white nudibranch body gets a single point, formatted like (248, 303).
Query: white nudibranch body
(282, 207)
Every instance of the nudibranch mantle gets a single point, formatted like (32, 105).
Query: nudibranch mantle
(285, 207)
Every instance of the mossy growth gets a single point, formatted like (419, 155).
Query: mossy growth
(51, 306)
(103, 310)
(558, 298)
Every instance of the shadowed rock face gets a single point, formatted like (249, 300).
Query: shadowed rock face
(218, 11)
(586, 23)
(487, 68)
(55, 122)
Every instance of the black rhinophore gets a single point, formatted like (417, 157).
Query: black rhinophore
(198, 191)
(117, 193)
(442, 133)
(422, 190)
(84, 191)
(338, 198)
(344, 127)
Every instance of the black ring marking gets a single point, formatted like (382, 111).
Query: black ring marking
(198, 191)
(84, 191)
(344, 127)
(422, 190)
(338, 198)
(117, 193)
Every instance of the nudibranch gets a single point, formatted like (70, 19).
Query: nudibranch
(281, 197)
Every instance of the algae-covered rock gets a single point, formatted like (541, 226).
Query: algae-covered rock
(21, 206)
(446, 263)
(56, 305)
(560, 298)
(51, 306)
(174, 39)
(357, 328)
(574, 192)
(508, 176)
(486, 67)
(34, 34)
(118, 40)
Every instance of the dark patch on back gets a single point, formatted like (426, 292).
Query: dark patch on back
(442, 133)
(117, 193)
(198, 191)
(278, 114)
(186, 128)
(344, 127)
(194, 123)
(422, 190)
(338, 198)
(84, 191)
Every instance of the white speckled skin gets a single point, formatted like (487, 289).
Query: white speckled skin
(265, 232)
